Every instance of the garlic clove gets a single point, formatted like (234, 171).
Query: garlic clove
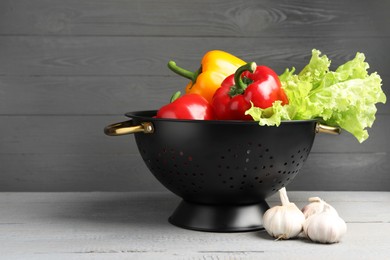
(315, 206)
(325, 227)
(283, 222)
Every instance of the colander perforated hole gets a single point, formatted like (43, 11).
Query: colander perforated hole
(240, 166)
(171, 164)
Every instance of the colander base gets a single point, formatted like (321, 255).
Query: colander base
(219, 218)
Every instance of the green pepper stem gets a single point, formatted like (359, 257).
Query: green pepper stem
(240, 85)
(183, 72)
(175, 96)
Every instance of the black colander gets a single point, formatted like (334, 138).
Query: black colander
(223, 170)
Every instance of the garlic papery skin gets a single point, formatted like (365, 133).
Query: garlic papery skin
(315, 206)
(325, 227)
(283, 222)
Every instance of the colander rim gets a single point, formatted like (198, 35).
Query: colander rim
(147, 115)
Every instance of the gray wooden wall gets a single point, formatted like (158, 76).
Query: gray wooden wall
(68, 68)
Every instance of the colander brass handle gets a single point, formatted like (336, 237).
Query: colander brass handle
(127, 127)
(333, 130)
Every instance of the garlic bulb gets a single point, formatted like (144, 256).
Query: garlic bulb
(325, 227)
(283, 222)
(317, 205)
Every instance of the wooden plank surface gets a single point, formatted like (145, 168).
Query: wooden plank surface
(220, 18)
(129, 55)
(62, 153)
(85, 95)
(95, 95)
(124, 172)
(83, 134)
(134, 226)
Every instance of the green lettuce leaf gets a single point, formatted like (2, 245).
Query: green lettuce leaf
(271, 116)
(346, 97)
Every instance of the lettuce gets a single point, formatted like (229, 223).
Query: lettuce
(269, 116)
(345, 97)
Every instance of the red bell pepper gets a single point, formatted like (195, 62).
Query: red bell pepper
(189, 106)
(257, 84)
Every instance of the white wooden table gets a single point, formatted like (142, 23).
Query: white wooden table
(106, 225)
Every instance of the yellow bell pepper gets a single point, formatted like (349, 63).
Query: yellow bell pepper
(216, 65)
